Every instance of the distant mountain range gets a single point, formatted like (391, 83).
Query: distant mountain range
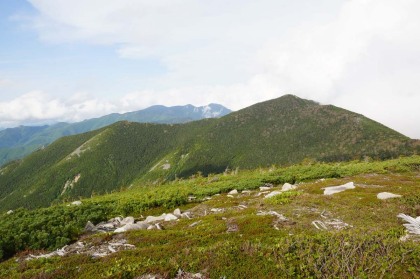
(286, 130)
(15, 143)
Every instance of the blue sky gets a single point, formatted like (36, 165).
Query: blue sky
(68, 60)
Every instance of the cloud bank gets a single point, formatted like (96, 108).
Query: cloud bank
(363, 55)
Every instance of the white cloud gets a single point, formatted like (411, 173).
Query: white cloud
(363, 55)
(39, 108)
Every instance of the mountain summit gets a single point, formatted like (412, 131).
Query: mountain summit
(281, 131)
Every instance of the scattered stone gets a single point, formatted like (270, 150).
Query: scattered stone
(232, 226)
(90, 227)
(150, 276)
(151, 219)
(262, 193)
(170, 217)
(288, 187)
(272, 213)
(207, 198)
(217, 210)
(246, 192)
(76, 203)
(336, 224)
(386, 195)
(186, 275)
(272, 194)
(195, 223)
(9, 212)
(319, 225)
(233, 192)
(242, 206)
(127, 220)
(177, 212)
(337, 189)
(191, 198)
(151, 227)
(102, 249)
(230, 196)
(132, 227)
(263, 188)
(413, 226)
(186, 215)
(142, 225)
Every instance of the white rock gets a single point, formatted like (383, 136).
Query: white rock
(413, 225)
(264, 188)
(386, 195)
(195, 223)
(177, 212)
(288, 187)
(127, 220)
(230, 196)
(142, 225)
(337, 189)
(117, 219)
(186, 215)
(150, 219)
(233, 192)
(9, 212)
(272, 194)
(128, 227)
(246, 192)
(151, 227)
(76, 203)
(170, 217)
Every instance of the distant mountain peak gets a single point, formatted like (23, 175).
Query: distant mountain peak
(20, 141)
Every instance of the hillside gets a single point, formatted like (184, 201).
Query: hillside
(283, 131)
(17, 142)
(239, 224)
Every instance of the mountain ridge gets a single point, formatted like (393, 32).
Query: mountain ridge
(282, 131)
(17, 142)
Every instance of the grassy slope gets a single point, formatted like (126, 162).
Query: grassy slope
(368, 249)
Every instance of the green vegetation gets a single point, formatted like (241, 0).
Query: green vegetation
(283, 131)
(369, 248)
(283, 198)
(15, 143)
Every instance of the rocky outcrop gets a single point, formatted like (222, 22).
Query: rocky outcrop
(104, 248)
(119, 224)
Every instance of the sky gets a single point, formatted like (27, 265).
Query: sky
(69, 60)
